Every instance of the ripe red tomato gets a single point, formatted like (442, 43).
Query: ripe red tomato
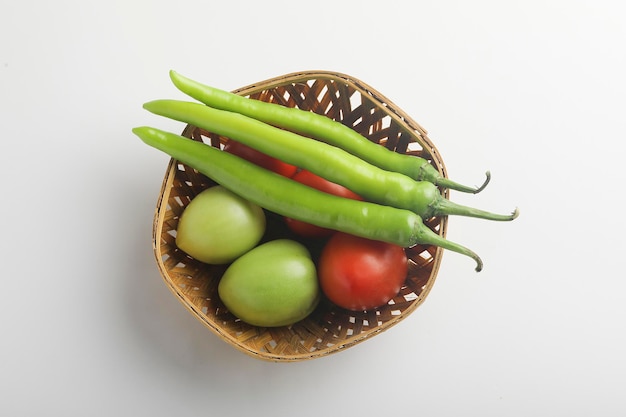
(360, 274)
(315, 181)
(259, 158)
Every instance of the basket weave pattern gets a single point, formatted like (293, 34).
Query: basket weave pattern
(329, 328)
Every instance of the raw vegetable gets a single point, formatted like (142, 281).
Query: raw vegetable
(319, 127)
(310, 179)
(275, 284)
(259, 158)
(291, 199)
(332, 163)
(360, 274)
(218, 226)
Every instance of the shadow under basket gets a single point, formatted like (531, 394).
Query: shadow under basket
(329, 328)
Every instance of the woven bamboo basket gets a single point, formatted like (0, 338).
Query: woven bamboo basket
(329, 329)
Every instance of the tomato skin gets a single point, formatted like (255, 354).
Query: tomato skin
(218, 226)
(319, 183)
(274, 284)
(259, 158)
(360, 274)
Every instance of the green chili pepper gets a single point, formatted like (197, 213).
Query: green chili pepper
(289, 198)
(334, 164)
(321, 128)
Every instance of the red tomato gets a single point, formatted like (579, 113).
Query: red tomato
(360, 274)
(315, 181)
(259, 158)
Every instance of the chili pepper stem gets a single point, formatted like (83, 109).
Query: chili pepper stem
(447, 183)
(443, 207)
(427, 236)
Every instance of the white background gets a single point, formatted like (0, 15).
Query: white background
(532, 90)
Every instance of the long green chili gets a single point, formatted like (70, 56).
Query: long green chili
(321, 128)
(333, 163)
(289, 198)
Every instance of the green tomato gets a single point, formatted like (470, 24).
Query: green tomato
(275, 284)
(218, 226)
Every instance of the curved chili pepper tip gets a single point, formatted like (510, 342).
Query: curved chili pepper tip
(487, 179)
(479, 265)
(444, 207)
(444, 182)
(425, 235)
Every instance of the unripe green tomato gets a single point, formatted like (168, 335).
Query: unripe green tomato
(275, 284)
(218, 226)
